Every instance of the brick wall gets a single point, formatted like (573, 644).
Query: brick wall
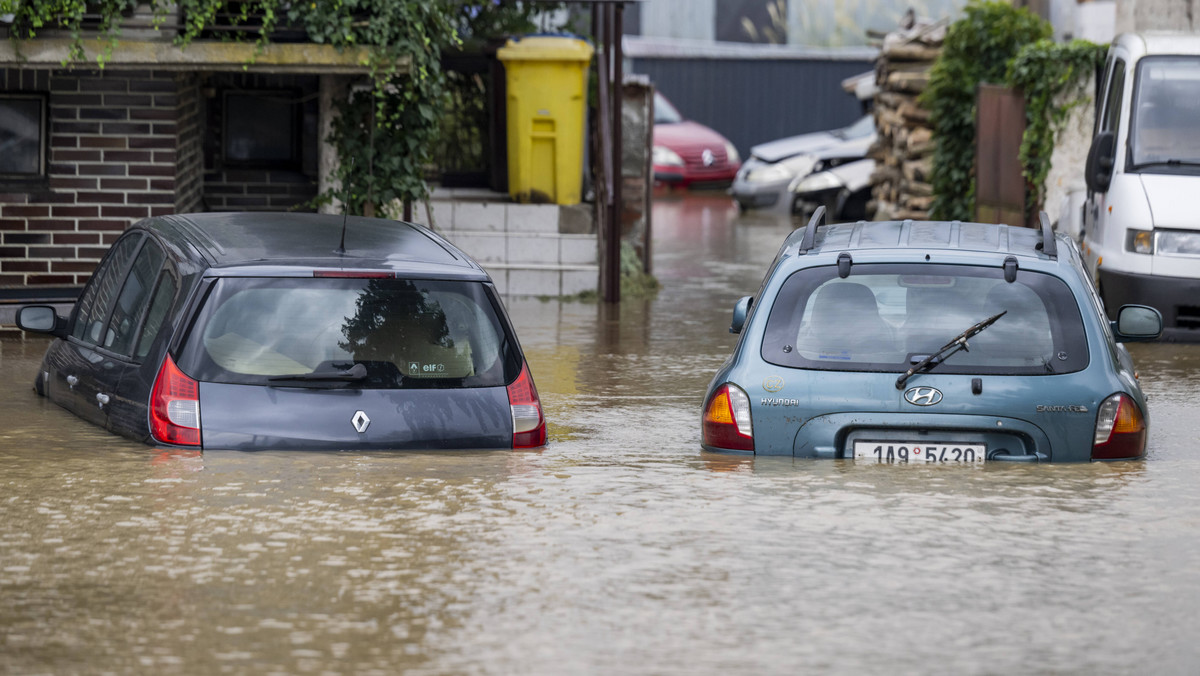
(189, 170)
(113, 150)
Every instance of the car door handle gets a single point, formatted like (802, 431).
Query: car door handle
(101, 399)
(71, 380)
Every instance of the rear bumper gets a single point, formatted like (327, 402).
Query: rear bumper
(1009, 439)
(1177, 298)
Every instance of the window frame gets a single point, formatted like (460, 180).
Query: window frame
(40, 177)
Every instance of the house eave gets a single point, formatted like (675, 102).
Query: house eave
(307, 57)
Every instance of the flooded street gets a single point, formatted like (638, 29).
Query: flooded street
(619, 548)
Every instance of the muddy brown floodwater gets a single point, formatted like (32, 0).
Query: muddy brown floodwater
(619, 548)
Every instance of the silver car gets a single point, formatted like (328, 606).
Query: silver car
(774, 169)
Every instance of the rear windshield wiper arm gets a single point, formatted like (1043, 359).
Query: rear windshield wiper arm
(959, 342)
(356, 372)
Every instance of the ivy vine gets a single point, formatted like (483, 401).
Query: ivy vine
(1045, 71)
(977, 49)
(384, 135)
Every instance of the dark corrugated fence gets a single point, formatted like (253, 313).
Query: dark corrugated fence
(751, 101)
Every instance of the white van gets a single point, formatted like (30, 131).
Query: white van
(1141, 222)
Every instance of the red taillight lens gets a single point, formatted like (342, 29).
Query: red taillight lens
(1120, 430)
(175, 406)
(529, 425)
(727, 419)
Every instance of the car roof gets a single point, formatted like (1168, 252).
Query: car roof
(1151, 43)
(920, 236)
(276, 240)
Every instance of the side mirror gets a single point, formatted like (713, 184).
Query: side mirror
(1101, 156)
(1137, 323)
(41, 319)
(740, 312)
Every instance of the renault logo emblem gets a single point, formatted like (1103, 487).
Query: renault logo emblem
(923, 396)
(360, 422)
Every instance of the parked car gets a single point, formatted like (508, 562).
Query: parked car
(687, 153)
(774, 169)
(1141, 237)
(843, 190)
(930, 342)
(290, 331)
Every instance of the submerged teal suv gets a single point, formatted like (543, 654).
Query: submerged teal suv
(930, 342)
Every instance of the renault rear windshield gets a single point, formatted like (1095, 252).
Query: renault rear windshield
(350, 333)
(888, 317)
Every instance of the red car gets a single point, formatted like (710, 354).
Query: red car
(688, 153)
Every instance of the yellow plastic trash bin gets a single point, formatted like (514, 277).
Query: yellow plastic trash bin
(547, 96)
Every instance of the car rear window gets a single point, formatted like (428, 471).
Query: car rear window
(887, 317)
(406, 333)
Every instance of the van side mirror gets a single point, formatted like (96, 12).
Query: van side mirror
(1101, 156)
(1137, 323)
(740, 311)
(41, 319)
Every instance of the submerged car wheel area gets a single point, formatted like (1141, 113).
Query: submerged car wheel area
(930, 342)
(291, 331)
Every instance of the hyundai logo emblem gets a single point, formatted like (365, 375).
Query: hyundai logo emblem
(360, 422)
(923, 396)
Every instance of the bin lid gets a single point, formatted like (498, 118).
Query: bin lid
(545, 48)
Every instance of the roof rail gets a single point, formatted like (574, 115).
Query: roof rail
(1049, 244)
(810, 234)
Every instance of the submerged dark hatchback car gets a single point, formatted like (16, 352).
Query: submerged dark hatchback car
(930, 342)
(290, 331)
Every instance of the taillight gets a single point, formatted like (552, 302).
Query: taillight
(1120, 430)
(529, 425)
(727, 419)
(175, 406)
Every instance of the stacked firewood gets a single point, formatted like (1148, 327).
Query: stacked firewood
(903, 150)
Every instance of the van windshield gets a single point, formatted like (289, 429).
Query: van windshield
(888, 317)
(1163, 135)
(316, 332)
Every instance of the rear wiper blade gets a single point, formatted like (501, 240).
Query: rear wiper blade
(356, 372)
(957, 343)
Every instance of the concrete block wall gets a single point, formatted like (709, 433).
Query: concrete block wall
(113, 154)
(528, 249)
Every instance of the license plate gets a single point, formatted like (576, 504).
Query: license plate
(919, 452)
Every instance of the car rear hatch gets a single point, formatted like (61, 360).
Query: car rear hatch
(956, 417)
(352, 362)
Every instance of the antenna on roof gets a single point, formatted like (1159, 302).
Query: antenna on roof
(341, 250)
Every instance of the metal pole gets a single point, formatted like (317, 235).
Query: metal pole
(614, 245)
